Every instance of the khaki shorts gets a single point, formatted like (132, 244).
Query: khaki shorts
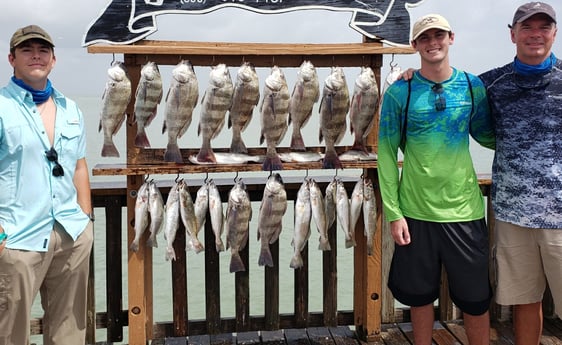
(525, 260)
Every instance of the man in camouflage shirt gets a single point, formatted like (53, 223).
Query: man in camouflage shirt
(526, 102)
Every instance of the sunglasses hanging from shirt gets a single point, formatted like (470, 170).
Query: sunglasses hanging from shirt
(52, 156)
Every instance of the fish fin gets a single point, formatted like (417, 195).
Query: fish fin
(296, 261)
(141, 140)
(297, 142)
(236, 263)
(134, 246)
(271, 163)
(238, 146)
(173, 154)
(170, 254)
(331, 160)
(206, 155)
(197, 245)
(350, 243)
(265, 258)
(219, 246)
(358, 145)
(324, 244)
(109, 150)
(100, 126)
(152, 242)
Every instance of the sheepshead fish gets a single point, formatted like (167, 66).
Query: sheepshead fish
(274, 113)
(244, 99)
(187, 214)
(141, 215)
(369, 213)
(172, 220)
(330, 202)
(270, 220)
(214, 105)
(356, 204)
(181, 98)
(306, 93)
(303, 215)
(364, 105)
(215, 210)
(115, 99)
(147, 98)
(319, 215)
(343, 213)
(333, 111)
(237, 224)
(156, 212)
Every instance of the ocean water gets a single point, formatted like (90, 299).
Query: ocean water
(91, 105)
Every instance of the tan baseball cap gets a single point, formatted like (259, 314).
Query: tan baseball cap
(28, 32)
(429, 21)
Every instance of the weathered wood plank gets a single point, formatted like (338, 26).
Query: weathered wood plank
(392, 335)
(179, 285)
(457, 329)
(114, 273)
(296, 336)
(242, 292)
(248, 338)
(319, 336)
(212, 280)
(272, 290)
(199, 340)
(272, 337)
(442, 336)
(222, 339)
(343, 335)
(174, 341)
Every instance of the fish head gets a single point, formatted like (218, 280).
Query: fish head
(336, 80)
(307, 71)
(276, 79)
(220, 75)
(247, 72)
(183, 71)
(150, 71)
(117, 71)
(366, 79)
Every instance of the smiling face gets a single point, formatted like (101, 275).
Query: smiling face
(32, 61)
(433, 45)
(534, 38)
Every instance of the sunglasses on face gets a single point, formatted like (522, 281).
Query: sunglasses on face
(440, 101)
(52, 156)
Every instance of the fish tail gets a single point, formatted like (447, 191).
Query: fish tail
(272, 162)
(206, 154)
(152, 241)
(237, 146)
(359, 145)
(350, 242)
(331, 160)
(109, 149)
(134, 245)
(173, 154)
(219, 245)
(297, 142)
(141, 140)
(324, 244)
(296, 261)
(197, 245)
(170, 254)
(265, 258)
(370, 248)
(236, 263)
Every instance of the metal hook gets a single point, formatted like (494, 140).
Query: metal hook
(177, 178)
(236, 177)
(146, 178)
(392, 63)
(206, 177)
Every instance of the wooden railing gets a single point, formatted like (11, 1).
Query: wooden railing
(112, 198)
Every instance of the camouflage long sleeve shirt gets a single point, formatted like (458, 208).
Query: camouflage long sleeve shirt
(527, 168)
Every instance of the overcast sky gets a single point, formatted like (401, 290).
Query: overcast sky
(482, 38)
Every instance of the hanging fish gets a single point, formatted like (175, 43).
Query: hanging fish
(364, 105)
(115, 99)
(156, 213)
(141, 215)
(303, 216)
(270, 221)
(369, 213)
(237, 224)
(147, 97)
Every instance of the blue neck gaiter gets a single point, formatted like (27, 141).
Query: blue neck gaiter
(39, 96)
(543, 67)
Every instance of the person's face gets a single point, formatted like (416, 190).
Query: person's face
(32, 61)
(433, 44)
(534, 38)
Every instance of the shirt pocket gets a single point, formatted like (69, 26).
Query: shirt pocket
(70, 139)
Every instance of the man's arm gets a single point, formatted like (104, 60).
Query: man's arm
(82, 184)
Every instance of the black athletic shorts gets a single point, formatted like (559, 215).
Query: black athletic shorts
(462, 248)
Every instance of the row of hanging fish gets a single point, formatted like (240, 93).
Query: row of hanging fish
(278, 108)
(153, 214)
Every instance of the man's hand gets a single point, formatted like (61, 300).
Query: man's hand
(399, 231)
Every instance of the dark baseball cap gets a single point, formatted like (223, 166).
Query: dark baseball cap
(28, 32)
(529, 9)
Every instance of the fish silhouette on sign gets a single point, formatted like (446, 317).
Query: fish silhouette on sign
(128, 21)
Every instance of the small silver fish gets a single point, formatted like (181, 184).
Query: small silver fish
(330, 203)
(188, 218)
(333, 112)
(270, 220)
(156, 212)
(369, 213)
(201, 206)
(215, 209)
(237, 224)
(147, 97)
(274, 112)
(171, 224)
(115, 99)
(364, 105)
(141, 215)
(244, 99)
(303, 215)
(214, 105)
(306, 93)
(319, 215)
(343, 213)
(181, 99)
(356, 204)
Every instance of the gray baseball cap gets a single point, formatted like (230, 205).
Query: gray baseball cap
(529, 9)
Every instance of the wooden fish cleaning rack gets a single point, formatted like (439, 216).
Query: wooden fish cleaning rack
(141, 162)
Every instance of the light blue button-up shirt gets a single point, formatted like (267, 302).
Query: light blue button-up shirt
(31, 198)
